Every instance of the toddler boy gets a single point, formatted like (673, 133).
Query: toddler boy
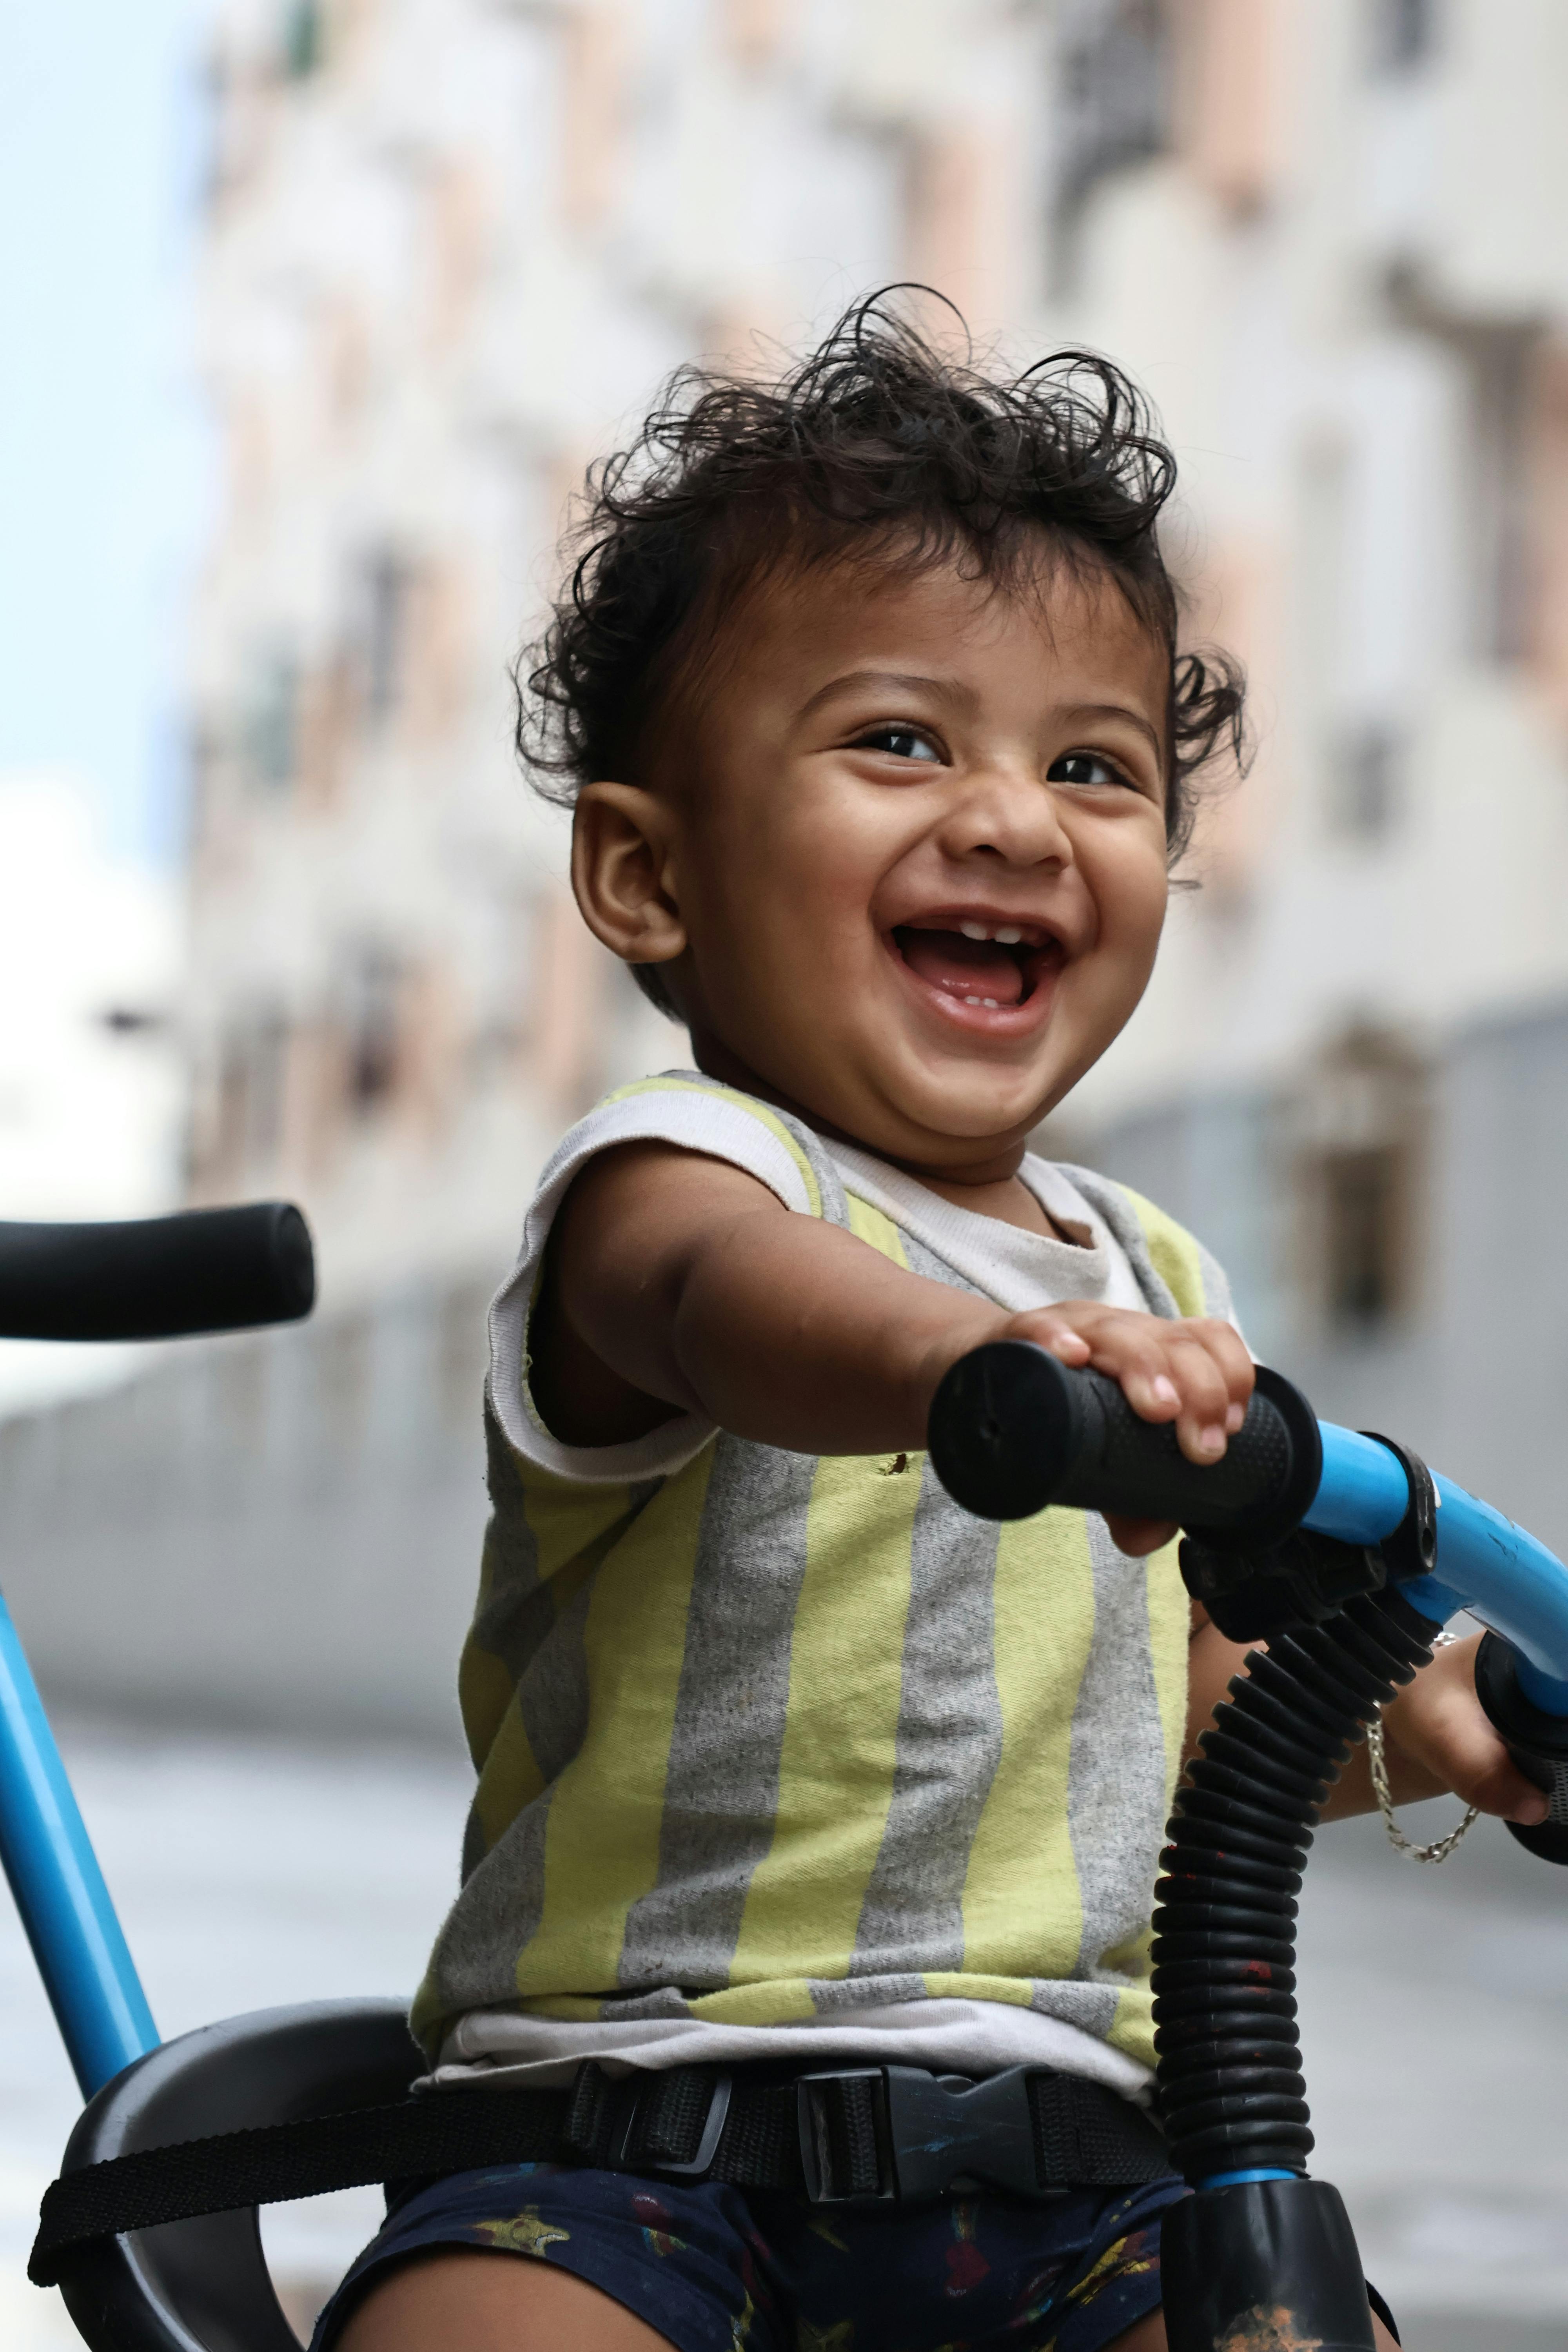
(867, 699)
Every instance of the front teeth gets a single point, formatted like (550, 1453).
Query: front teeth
(1008, 936)
(994, 1002)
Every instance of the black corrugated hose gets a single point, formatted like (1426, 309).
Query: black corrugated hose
(1231, 2093)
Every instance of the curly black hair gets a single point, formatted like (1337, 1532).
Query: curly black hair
(877, 445)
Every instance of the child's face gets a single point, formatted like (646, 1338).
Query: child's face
(917, 850)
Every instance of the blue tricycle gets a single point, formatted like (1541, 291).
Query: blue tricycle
(1340, 1550)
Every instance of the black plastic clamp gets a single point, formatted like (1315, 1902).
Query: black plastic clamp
(1412, 1550)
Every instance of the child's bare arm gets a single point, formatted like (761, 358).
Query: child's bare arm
(678, 1283)
(1436, 1736)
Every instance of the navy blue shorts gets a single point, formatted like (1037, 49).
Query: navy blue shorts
(717, 2269)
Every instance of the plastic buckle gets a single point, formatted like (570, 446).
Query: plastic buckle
(933, 2132)
(946, 2131)
(626, 2157)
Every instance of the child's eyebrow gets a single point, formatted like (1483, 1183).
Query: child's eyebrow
(1118, 710)
(945, 690)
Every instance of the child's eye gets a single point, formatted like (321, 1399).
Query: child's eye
(903, 743)
(1084, 767)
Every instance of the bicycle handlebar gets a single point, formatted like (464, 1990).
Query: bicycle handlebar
(1012, 1429)
(157, 1277)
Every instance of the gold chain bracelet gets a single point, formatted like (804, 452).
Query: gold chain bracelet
(1440, 1848)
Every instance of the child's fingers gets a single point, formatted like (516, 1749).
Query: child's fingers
(1439, 1723)
(1131, 1348)
(1207, 1401)
(1506, 1791)
(1486, 1775)
(1196, 1373)
(1055, 1333)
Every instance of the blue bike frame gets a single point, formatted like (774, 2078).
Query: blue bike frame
(77, 1939)
(1485, 1564)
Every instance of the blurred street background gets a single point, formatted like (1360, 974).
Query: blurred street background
(314, 313)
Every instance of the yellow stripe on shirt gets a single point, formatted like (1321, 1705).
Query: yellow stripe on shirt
(601, 1848)
(1173, 1254)
(869, 1224)
(1023, 1911)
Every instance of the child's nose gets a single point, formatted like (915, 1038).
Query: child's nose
(1011, 814)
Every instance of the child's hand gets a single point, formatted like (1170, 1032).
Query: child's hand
(1437, 1738)
(1196, 1373)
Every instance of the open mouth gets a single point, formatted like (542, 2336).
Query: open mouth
(996, 966)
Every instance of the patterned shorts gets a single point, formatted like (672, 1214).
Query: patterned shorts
(716, 2269)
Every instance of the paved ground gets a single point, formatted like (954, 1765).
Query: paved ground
(246, 1875)
(1435, 2007)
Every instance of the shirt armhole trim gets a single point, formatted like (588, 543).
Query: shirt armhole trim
(747, 1103)
(712, 1122)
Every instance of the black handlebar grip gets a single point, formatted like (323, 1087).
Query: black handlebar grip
(157, 1277)
(1012, 1429)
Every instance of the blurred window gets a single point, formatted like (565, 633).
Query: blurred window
(1498, 364)
(1367, 780)
(250, 1095)
(303, 40)
(373, 992)
(387, 582)
(1362, 1132)
(272, 725)
(1404, 32)
(1113, 94)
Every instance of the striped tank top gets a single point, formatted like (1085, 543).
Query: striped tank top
(765, 1739)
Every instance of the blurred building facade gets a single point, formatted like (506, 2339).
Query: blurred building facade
(1333, 246)
(452, 250)
(453, 247)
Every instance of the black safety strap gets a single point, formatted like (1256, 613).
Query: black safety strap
(831, 2137)
(275, 2162)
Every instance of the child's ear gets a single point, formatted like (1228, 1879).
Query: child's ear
(621, 842)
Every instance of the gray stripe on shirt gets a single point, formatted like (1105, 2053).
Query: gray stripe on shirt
(553, 1689)
(949, 1744)
(1116, 1769)
(498, 1911)
(1091, 2007)
(720, 1792)
(502, 1900)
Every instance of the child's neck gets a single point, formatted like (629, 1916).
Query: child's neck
(996, 1190)
(1006, 1198)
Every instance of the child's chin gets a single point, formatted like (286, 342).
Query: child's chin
(949, 1096)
